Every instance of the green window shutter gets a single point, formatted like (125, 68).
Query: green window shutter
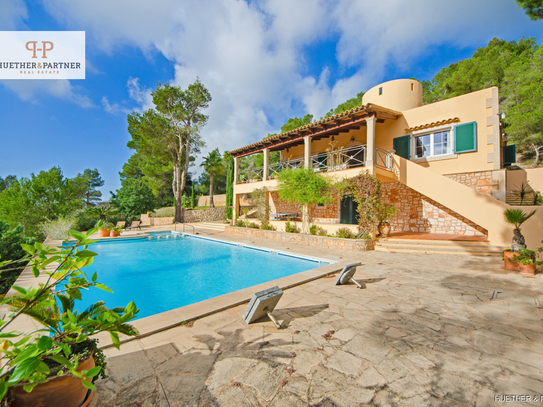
(465, 138)
(509, 155)
(402, 146)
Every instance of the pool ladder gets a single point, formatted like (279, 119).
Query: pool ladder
(184, 224)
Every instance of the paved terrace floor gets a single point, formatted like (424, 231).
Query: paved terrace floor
(425, 332)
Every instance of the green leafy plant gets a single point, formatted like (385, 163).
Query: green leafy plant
(116, 228)
(253, 225)
(385, 212)
(104, 225)
(345, 233)
(64, 341)
(291, 227)
(103, 211)
(366, 192)
(517, 217)
(163, 212)
(525, 257)
(313, 229)
(239, 223)
(321, 232)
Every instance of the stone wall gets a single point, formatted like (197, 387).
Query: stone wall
(200, 215)
(218, 200)
(481, 181)
(418, 213)
(352, 245)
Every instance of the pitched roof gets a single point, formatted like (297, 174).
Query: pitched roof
(324, 127)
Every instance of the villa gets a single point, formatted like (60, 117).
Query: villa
(444, 166)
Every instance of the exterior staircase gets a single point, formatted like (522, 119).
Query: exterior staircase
(438, 247)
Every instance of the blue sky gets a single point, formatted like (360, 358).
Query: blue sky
(263, 62)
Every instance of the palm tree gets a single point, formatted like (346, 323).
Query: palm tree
(103, 211)
(213, 164)
(517, 217)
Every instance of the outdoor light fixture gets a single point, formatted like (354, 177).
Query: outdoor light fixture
(352, 138)
(333, 137)
(501, 115)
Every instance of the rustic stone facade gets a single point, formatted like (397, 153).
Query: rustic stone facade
(481, 181)
(352, 245)
(418, 213)
(201, 215)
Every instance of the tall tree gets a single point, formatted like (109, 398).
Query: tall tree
(7, 182)
(534, 8)
(524, 105)
(229, 184)
(90, 180)
(134, 197)
(213, 164)
(47, 195)
(171, 132)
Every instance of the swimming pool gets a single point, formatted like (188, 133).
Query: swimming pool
(168, 270)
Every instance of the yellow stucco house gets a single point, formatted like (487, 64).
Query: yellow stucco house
(442, 165)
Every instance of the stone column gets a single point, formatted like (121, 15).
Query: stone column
(370, 143)
(307, 152)
(266, 164)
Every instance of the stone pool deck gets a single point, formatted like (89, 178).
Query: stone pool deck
(428, 330)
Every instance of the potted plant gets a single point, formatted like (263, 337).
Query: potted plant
(104, 228)
(384, 213)
(56, 364)
(527, 262)
(515, 217)
(509, 263)
(116, 231)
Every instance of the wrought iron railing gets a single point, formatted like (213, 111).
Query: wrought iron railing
(275, 169)
(252, 174)
(384, 158)
(340, 159)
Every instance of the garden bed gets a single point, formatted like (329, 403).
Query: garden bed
(352, 245)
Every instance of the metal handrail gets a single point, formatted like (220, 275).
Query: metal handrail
(275, 169)
(341, 159)
(193, 228)
(250, 174)
(384, 158)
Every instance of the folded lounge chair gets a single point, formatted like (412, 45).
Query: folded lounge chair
(347, 274)
(121, 223)
(134, 225)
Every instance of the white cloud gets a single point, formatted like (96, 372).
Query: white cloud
(251, 55)
(32, 90)
(12, 14)
(114, 108)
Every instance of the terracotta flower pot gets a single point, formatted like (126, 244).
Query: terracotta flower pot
(115, 233)
(63, 391)
(510, 265)
(527, 269)
(104, 232)
(384, 229)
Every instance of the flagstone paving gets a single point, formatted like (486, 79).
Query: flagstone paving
(427, 334)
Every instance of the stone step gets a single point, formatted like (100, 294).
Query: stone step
(437, 250)
(438, 243)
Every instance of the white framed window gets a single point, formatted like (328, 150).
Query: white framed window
(433, 144)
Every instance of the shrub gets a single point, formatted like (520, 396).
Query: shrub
(322, 232)
(239, 223)
(345, 233)
(10, 249)
(267, 226)
(58, 229)
(253, 225)
(313, 229)
(291, 227)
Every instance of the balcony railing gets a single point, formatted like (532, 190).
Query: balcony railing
(339, 160)
(384, 158)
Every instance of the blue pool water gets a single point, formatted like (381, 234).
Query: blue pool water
(160, 274)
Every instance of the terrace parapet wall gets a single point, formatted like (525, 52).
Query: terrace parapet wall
(200, 215)
(352, 245)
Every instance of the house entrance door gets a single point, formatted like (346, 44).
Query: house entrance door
(348, 211)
